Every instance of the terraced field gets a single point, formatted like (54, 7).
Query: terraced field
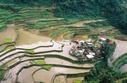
(45, 60)
(31, 56)
(118, 59)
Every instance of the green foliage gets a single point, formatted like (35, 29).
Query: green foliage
(45, 14)
(4, 12)
(2, 26)
(6, 16)
(7, 40)
(99, 24)
(122, 78)
(77, 81)
(54, 34)
(47, 67)
(30, 50)
(101, 73)
(38, 62)
(42, 62)
(2, 72)
(114, 10)
(42, 24)
(9, 48)
(71, 20)
(120, 62)
(107, 50)
(101, 69)
(73, 8)
(28, 13)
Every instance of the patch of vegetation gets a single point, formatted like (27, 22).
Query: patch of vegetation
(77, 81)
(122, 79)
(10, 47)
(35, 13)
(99, 24)
(101, 68)
(30, 50)
(114, 10)
(54, 34)
(43, 24)
(2, 72)
(7, 40)
(40, 62)
(47, 67)
(8, 16)
(2, 26)
(71, 20)
(120, 62)
(101, 73)
(109, 49)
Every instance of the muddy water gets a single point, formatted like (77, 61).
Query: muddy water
(25, 37)
(26, 75)
(8, 33)
(123, 68)
(64, 62)
(47, 76)
(60, 79)
(43, 76)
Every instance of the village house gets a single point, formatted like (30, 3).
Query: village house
(88, 49)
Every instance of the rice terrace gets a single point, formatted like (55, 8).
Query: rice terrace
(63, 41)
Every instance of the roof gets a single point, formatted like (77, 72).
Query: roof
(90, 56)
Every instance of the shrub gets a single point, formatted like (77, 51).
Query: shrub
(2, 72)
(2, 26)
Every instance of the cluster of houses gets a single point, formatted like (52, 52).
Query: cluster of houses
(88, 49)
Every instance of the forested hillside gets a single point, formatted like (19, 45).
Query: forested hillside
(114, 10)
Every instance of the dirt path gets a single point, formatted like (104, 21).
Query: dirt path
(56, 70)
(34, 21)
(81, 23)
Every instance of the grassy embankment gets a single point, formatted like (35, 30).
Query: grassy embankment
(119, 62)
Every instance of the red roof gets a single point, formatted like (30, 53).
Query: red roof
(110, 42)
